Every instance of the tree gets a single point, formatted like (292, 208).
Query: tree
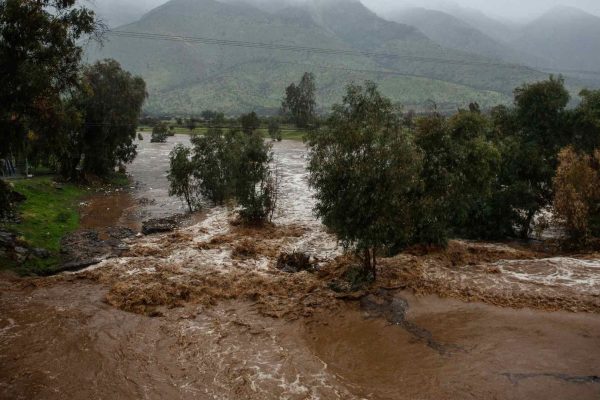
(250, 123)
(212, 160)
(181, 176)
(213, 118)
(534, 132)
(235, 166)
(40, 54)
(110, 103)
(191, 124)
(274, 129)
(299, 101)
(160, 132)
(364, 170)
(577, 195)
(585, 122)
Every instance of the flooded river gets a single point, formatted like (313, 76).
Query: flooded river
(202, 313)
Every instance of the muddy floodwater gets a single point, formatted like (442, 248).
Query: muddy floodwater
(203, 312)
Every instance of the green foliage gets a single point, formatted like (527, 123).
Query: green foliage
(110, 104)
(39, 63)
(212, 161)
(299, 101)
(365, 170)
(213, 118)
(537, 132)
(274, 130)
(181, 176)
(250, 123)
(235, 166)
(585, 122)
(458, 175)
(159, 132)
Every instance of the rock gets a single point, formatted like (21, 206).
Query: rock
(17, 197)
(41, 253)
(7, 239)
(85, 248)
(294, 262)
(159, 225)
(120, 232)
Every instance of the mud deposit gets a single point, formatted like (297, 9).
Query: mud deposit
(204, 312)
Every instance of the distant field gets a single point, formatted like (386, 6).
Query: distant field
(287, 132)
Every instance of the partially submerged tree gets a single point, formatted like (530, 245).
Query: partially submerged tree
(235, 166)
(182, 182)
(365, 169)
(274, 130)
(299, 101)
(160, 132)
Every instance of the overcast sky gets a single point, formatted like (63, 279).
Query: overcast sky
(122, 11)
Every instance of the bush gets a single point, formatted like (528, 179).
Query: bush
(577, 195)
(159, 133)
(274, 130)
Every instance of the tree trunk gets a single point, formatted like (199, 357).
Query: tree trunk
(527, 226)
(374, 264)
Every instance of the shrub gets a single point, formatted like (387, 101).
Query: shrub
(274, 130)
(577, 195)
(159, 133)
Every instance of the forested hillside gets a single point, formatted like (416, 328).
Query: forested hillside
(185, 77)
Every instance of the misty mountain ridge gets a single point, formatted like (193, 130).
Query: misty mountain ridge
(183, 77)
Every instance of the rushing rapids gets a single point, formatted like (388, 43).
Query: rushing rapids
(203, 312)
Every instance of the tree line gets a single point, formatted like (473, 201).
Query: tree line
(77, 120)
(385, 180)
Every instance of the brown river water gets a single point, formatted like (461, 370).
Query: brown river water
(202, 313)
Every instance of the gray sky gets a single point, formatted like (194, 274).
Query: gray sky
(122, 11)
(510, 9)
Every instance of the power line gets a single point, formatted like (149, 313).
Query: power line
(315, 50)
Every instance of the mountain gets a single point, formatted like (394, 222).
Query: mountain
(564, 38)
(449, 31)
(185, 77)
(502, 31)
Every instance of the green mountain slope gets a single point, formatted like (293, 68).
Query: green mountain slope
(188, 77)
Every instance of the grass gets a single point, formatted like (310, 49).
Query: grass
(49, 213)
